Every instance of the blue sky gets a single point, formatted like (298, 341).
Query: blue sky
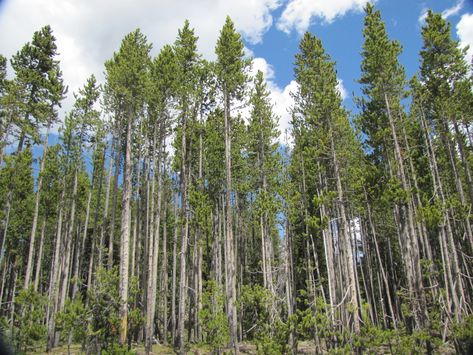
(343, 39)
(89, 31)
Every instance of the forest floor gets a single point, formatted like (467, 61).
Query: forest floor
(245, 348)
(305, 347)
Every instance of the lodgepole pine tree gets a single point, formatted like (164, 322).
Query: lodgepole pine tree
(126, 75)
(383, 121)
(321, 130)
(187, 60)
(262, 148)
(231, 77)
(445, 86)
(163, 73)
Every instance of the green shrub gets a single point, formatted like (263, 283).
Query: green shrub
(28, 330)
(463, 336)
(213, 319)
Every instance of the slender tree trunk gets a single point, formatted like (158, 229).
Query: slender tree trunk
(39, 260)
(380, 263)
(410, 249)
(111, 225)
(446, 232)
(184, 235)
(174, 276)
(29, 265)
(348, 243)
(95, 225)
(125, 235)
(229, 243)
(164, 289)
(289, 286)
(104, 225)
(81, 242)
(153, 255)
(54, 278)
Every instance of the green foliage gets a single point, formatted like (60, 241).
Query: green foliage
(255, 302)
(431, 214)
(260, 323)
(17, 177)
(28, 331)
(463, 335)
(315, 319)
(393, 192)
(231, 66)
(135, 314)
(39, 80)
(127, 75)
(117, 349)
(201, 207)
(213, 319)
(103, 320)
(274, 340)
(72, 320)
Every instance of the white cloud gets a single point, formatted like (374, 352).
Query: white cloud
(281, 98)
(423, 16)
(341, 89)
(262, 65)
(465, 33)
(454, 10)
(451, 11)
(298, 14)
(89, 31)
(283, 101)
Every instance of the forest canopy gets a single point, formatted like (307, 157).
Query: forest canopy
(168, 214)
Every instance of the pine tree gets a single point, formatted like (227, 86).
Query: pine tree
(187, 59)
(127, 81)
(264, 157)
(321, 131)
(163, 76)
(445, 85)
(356, 235)
(38, 89)
(383, 121)
(231, 77)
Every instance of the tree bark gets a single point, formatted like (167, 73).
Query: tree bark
(229, 243)
(125, 235)
(29, 265)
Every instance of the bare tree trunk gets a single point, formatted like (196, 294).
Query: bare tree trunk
(408, 234)
(69, 240)
(164, 288)
(40, 257)
(263, 254)
(29, 265)
(78, 252)
(347, 239)
(380, 263)
(111, 225)
(81, 243)
(153, 256)
(95, 225)
(446, 232)
(174, 271)
(329, 257)
(184, 240)
(103, 227)
(229, 243)
(54, 278)
(289, 286)
(125, 235)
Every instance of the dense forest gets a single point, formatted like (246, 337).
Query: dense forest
(168, 211)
